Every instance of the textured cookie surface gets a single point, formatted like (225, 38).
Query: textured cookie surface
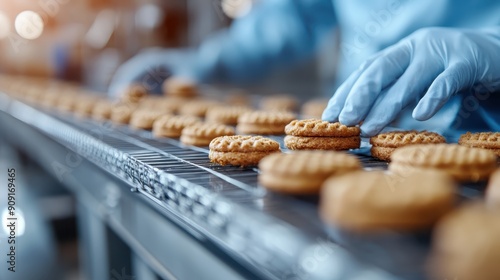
(395, 139)
(244, 144)
(368, 201)
(322, 143)
(463, 163)
(319, 128)
(466, 244)
(484, 140)
(241, 150)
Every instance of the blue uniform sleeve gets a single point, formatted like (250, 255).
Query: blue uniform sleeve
(275, 33)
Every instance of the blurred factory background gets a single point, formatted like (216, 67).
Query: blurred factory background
(86, 40)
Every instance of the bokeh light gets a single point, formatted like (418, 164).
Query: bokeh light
(236, 8)
(4, 25)
(29, 25)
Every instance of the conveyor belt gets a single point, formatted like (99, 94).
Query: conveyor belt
(272, 234)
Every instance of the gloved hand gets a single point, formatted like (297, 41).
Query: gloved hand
(151, 67)
(429, 66)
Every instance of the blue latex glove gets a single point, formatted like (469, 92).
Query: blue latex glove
(151, 67)
(427, 68)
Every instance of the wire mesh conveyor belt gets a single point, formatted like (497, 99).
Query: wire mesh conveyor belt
(275, 235)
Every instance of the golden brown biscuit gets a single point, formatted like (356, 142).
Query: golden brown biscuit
(315, 134)
(197, 108)
(314, 108)
(67, 102)
(265, 123)
(203, 133)
(172, 126)
(384, 144)
(483, 140)
(85, 105)
(283, 103)
(462, 163)
(121, 113)
(102, 110)
(180, 87)
(241, 150)
(225, 115)
(322, 143)
(144, 119)
(303, 172)
(368, 201)
(493, 189)
(319, 128)
(133, 93)
(466, 244)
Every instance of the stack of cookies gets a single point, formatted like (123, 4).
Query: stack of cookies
(384, 144)
(241, 150)
(314, 134)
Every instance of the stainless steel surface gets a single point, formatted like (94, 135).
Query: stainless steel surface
(272, 236)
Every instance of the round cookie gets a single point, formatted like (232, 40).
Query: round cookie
(225, 115)
(203, 133)
(283, 103)
(370, 201)
(85, 105)
(303, 172)
(264, 123)
(483, 140)
(172, 126)
(315, 134)
(241, 150)
(102, 110)
(144, 119)
(462, 163)
(67, 102)
(133, 93)
(466, 244)
(384, 144)
(180, 87)
(121, 113)
(314, 108)
(197, 108)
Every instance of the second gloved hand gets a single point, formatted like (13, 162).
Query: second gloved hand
(428, 67)
(151, 67)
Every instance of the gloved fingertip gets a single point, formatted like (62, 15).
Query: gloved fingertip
(329, 115)
(421, 114)
(348, 119)
(368, 130)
